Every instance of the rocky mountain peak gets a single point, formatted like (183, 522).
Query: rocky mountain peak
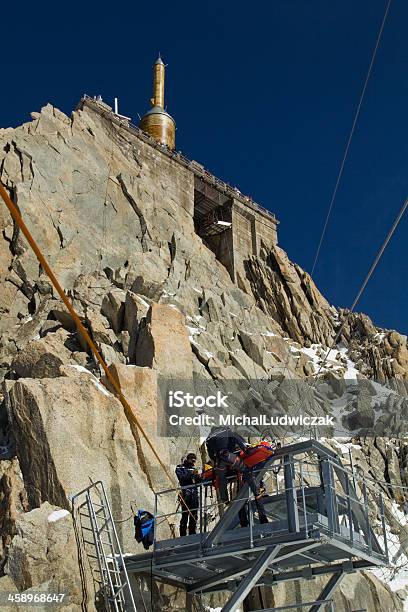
(115, 218)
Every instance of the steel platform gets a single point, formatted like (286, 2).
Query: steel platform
(318, 524)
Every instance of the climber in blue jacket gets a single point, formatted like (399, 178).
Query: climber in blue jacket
(188, 478)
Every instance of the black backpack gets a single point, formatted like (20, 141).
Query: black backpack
(144, 528)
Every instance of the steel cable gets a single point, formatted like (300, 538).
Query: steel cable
(356, 116)
(366, 280)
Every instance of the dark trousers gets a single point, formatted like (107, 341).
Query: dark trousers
(227, 459)
(189, 510)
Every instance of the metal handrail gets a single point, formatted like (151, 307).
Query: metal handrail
(353, 501)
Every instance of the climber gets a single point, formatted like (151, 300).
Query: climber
(222, 444)
(188, 478)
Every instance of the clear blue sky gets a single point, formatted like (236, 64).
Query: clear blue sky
(263, 94)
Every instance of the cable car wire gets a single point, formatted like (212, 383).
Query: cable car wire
(350, 138)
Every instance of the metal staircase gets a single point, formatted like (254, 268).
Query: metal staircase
(102, 546)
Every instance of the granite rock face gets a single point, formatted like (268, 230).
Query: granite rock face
(13, 501)
(115, 218)
(163, 343)
(288, 294)
(43, 557)
(70, 430)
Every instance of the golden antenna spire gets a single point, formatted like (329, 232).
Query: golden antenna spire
(158, 83)
(157, 122)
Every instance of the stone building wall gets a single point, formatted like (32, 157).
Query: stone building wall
(265, 232)
(243, 231)
(163, 179)
(164, 174)
(249, 233)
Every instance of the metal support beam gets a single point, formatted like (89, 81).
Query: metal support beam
(171, 561)
(253, 575)
(318, 558)
(313, 572)
(331, 497)
(165, 577)
(244, 568)
(237, 503)
(328, 591)
(231, 574)
(296, 606)
(290, 494)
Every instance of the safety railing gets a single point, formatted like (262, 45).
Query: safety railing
(361, 508)
(208, 511)
(298, 496)
(348, 507)
(192, 165)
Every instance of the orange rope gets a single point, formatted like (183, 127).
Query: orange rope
(81, 329)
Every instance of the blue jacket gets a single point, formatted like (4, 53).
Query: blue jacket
(187, 475)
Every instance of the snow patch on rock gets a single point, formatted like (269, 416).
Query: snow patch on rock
(57, 515)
